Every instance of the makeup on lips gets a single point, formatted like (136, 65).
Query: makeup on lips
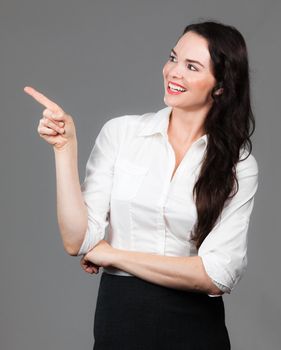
(175, 89)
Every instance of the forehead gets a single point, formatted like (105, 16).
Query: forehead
(193, 46)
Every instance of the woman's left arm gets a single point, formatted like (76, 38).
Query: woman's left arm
(179, 272)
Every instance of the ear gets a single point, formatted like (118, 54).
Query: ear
(219, 91)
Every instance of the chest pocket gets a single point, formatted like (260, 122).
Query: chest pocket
(127, 180)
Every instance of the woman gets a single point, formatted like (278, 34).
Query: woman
(176, 190)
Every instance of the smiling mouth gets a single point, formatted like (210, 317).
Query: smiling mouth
(174, 91)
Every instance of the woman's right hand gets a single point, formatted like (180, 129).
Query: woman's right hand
(88, 266)
(55, 127)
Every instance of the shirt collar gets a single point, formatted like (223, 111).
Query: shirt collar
(158, 123)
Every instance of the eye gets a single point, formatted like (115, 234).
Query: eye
(171, 58)
(191, 65)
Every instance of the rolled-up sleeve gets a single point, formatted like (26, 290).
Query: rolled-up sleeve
(97, 184)
(224, 250)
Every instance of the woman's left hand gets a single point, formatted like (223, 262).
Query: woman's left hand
(101, 255)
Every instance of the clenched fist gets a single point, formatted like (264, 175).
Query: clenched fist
(88, 266)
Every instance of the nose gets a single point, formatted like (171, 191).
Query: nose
(176, 71)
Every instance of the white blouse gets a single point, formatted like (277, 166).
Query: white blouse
(129, 194)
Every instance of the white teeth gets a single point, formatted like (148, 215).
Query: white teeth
(176, 88)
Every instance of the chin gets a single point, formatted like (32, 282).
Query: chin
(170, 103)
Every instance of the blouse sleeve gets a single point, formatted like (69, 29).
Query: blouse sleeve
(96, 187)
(224, 250)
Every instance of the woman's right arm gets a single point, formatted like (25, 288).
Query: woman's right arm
(72, 212)
(58, 129)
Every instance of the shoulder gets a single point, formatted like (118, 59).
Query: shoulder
(247, 164)
(126, 125)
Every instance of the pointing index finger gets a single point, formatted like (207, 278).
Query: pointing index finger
(39, 97)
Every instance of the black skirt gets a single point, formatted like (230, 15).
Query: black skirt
(134, 314)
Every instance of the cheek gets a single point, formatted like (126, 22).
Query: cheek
(165, 70)
(202, 84)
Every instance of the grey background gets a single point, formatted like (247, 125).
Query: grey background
(98, 60)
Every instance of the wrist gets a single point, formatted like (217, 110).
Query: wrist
(70, 146)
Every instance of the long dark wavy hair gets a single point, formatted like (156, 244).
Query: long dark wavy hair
(229, 124)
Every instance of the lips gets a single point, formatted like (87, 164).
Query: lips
(174, 92)
(176, 84)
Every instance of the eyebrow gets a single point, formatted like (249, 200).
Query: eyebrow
(188, 59)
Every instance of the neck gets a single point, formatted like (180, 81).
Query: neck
(186, 126)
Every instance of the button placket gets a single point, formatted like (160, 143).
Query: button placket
(161, 228)
(171, 165)
(161, 231)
